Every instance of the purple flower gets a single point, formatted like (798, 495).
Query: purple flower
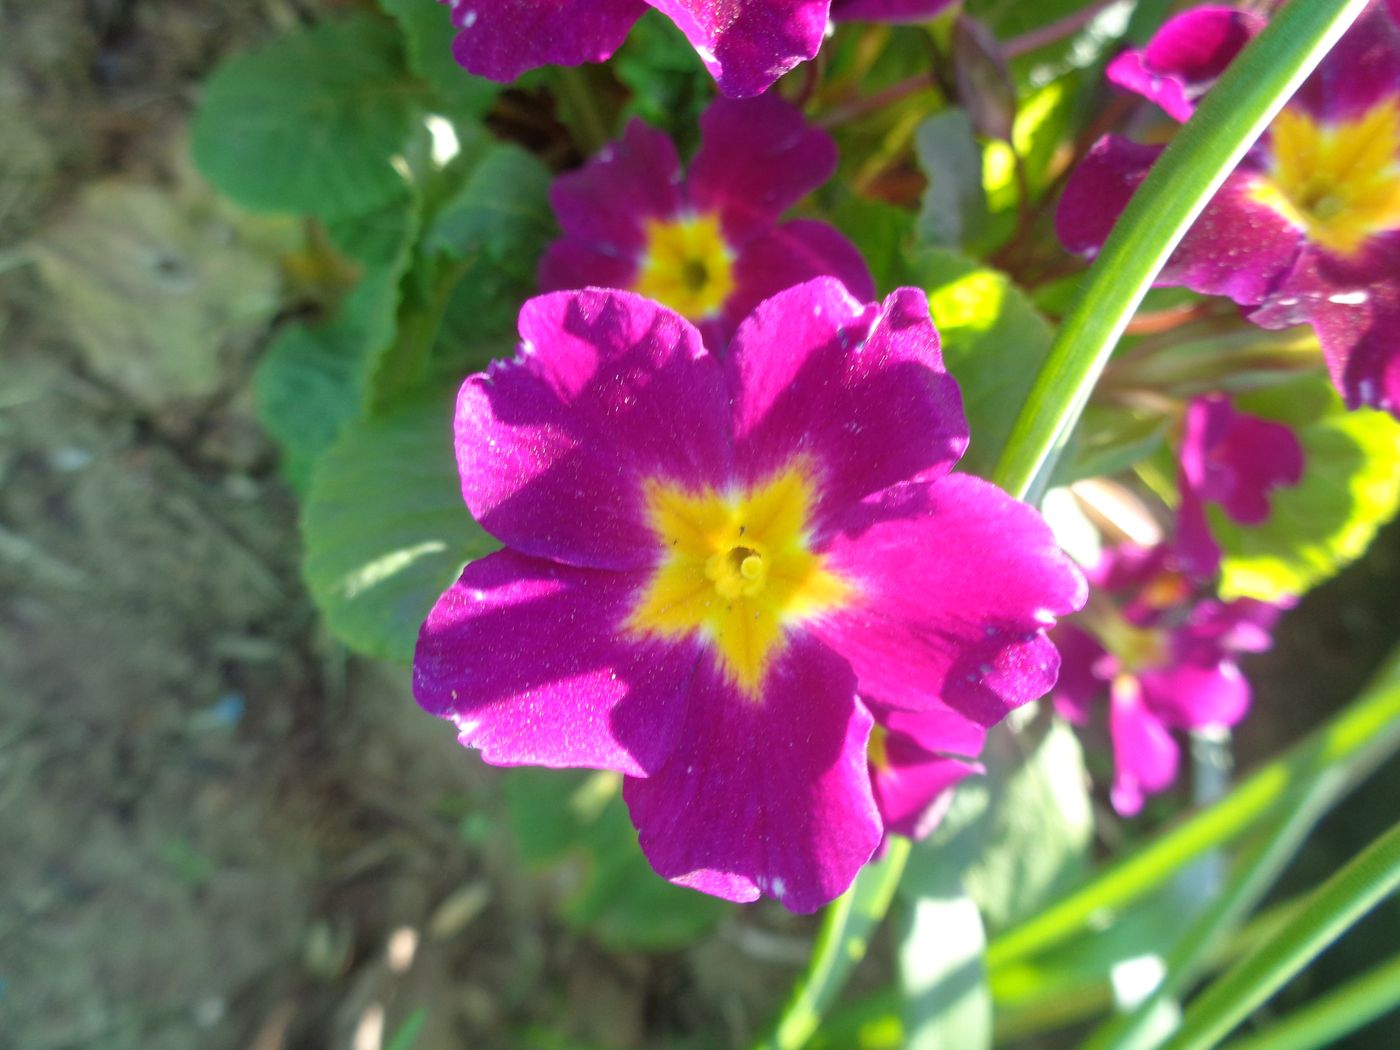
(1232, 459)
(712, 562)
(708, 245)
(916, 759)
(1166, 661)
(1307, 228)
(745, 44)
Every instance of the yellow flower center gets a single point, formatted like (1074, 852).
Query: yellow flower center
(687, 266)
(1339, 182)
(736, 569)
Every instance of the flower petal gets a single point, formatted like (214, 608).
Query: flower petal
(1354, 306)
(938, 728)
(914, 788)
(788, 255)
(605, 204)
(748, 44)
(955, 585)
(1362, 69)
(1145, 756)
(1197, 695)
(500, 39)
(1239, 247)
(609, 390)
(1188, 54)
(1078, 687)
(858, 389)
(531, 660)
(757, 158)
(770, 796)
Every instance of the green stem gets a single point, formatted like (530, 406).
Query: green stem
(1137, 1029)
(1248, 96)
(1336, 905)
(1334, 758)
(847, 926)
(1325, 1020)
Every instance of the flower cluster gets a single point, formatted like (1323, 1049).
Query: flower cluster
(745, 44)
(708, 245)
(1307, 227)
(721, 572)
(1153, 638)
(1166, 657)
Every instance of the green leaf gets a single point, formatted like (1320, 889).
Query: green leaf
(1018, 834)
(428, 33)
(311, 123)
(313, 378)
(385, 529)
(577, 823)
(946, 1001)
(501, 222)
(502, 211)
(882, 233)
(1350, 487)
(994, 340)
(954, 203)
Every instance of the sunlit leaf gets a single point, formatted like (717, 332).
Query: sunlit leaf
(1350, 487)
(314, 376)
(954, 203)
(385, 529)
(1016, 835)
(993, 343)
(945, 997)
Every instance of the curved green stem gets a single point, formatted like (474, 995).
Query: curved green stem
(1329, 1017)
(1329, 762)
(1192, 168)
(1336, 905)
(847, 926)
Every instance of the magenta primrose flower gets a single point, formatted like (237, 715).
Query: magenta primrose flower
(1234, 460)
(1307, 228)
(745, 44)
(715, 567)
(708, 245)
(1167, 660)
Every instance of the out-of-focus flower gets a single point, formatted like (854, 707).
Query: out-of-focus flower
(708, 244)
(1307, 228)
(1232, 459)
(712, 562)
(1166, 660)
(1188, 54)
(916, 759)
(745, 44)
